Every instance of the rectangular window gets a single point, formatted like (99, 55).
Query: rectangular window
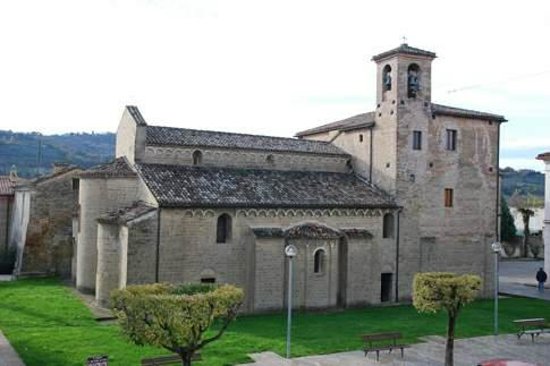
(417, 140)
(451, 140)
(448, 197)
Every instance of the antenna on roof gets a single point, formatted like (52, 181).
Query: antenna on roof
(404, 39)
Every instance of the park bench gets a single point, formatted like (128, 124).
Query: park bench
(382, 342)
(167, 360)
(533, 327)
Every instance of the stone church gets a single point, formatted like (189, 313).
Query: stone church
(368, 201)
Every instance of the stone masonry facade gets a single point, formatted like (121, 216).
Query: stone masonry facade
(368, 201)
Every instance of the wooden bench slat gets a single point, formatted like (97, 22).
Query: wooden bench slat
(381, 336)
(373, 343)
(528, 320)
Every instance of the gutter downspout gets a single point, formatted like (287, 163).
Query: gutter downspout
(397, 258)
(157, 261)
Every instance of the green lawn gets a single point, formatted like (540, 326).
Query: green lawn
(48, 325)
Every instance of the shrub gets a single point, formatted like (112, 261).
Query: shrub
(175, 317)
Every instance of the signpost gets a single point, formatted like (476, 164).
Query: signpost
(98, 361)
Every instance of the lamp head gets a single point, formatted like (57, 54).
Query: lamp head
(290, 251)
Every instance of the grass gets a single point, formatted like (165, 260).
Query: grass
(48, 325)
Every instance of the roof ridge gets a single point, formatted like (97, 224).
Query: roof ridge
(240, 134)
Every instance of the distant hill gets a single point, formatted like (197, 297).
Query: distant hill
(525, 182)
(33, 153)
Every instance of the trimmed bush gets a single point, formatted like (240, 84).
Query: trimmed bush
(175, 317)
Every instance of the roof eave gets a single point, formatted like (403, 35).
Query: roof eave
(271, 206)
(314, 131)
(544, 156)
(493, 118)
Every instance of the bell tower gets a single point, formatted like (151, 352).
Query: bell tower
(404, 74)
(403, 105)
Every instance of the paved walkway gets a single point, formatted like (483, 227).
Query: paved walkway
(518, 278)
(8, 356)
(468, 352)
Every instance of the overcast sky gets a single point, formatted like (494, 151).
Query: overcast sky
(266, 67)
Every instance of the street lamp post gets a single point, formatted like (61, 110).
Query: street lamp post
(290, 252)
(496, 247)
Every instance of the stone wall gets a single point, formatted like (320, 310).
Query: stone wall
(235, 158)
(98, 196)
(358, 144)
(142, 249)
(49, 243)
(112, 244)
(188, 249)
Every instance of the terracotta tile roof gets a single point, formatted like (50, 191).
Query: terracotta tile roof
(126, 214)
(64, 170)
(118, 168)
(184, 186)
(439, 109)
(404, 49)
(7, 186)
(363, 120)
(159, 136)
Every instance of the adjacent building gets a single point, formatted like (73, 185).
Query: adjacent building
(39, 222)
(545, 157)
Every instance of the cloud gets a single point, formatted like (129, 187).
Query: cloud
(520, 143)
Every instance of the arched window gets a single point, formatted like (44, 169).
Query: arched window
(319, 261)
(413, 80)
(197, 157)
(386, 78)
(388, 226)
(223, 229)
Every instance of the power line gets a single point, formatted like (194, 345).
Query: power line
(519, 77)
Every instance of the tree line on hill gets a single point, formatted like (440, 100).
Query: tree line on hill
(33, 154)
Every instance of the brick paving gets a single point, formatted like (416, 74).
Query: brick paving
(468, 352)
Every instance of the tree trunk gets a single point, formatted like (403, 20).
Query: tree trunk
(449, 350)
(526, 233)
(186, 358)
